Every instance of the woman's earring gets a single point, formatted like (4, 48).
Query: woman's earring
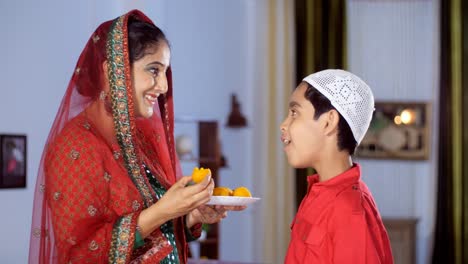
(102, 96)
(107, 102)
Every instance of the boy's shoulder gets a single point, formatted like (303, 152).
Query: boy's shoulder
(350, 199)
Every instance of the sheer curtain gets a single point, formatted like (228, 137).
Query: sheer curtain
(271, 74)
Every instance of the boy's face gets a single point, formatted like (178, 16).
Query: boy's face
(301, 134)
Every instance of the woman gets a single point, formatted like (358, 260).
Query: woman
(108, 188)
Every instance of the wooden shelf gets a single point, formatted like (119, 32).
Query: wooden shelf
(210, 157)
(209, 241)
(402, 235)
(201, 160)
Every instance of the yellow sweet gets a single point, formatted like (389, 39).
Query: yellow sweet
(199, 174)
(222, 191)
(242, 192)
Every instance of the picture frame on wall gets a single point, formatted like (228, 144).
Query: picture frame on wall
(13, 161)
(398, 130)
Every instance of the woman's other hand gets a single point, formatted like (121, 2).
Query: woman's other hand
(210, 214)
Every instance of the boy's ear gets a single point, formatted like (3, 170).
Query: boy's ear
(331, 120)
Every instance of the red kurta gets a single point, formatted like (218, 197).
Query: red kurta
(92, 198)
(338, 222)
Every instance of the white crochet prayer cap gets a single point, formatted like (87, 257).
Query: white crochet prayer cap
(350, 96)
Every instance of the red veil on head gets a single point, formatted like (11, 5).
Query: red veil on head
(136, 141)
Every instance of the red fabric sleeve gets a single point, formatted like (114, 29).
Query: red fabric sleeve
(78, 196)
(193, 233)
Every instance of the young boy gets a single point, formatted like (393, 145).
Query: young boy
(338, 220)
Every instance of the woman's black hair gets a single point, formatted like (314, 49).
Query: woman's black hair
(143, 37)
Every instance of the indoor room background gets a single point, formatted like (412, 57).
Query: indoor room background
(220, 48)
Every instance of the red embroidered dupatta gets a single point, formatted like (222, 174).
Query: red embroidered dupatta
(91, 188)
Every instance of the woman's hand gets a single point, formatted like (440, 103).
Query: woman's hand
(179, 200)
(210, 214)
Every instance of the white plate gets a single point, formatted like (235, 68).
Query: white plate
(231, 200)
